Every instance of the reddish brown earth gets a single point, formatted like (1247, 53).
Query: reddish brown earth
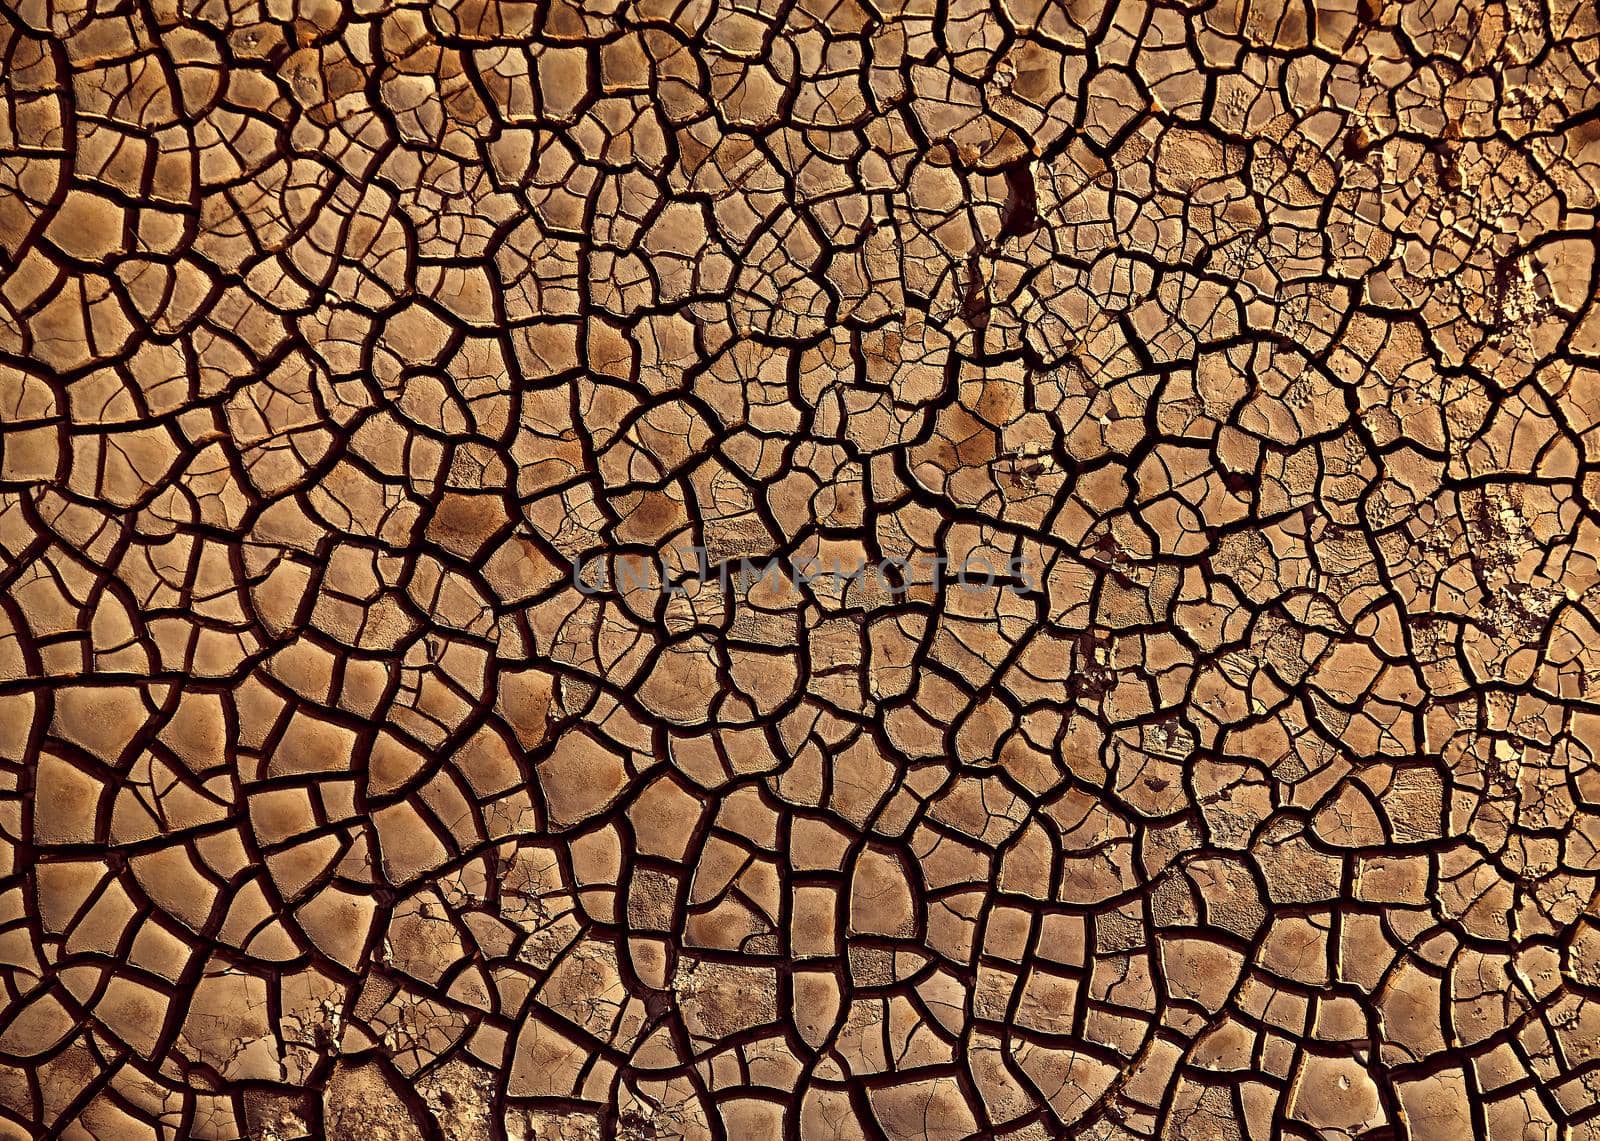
(1265, 335)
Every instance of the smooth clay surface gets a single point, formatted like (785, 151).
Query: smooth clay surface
(1259, 339)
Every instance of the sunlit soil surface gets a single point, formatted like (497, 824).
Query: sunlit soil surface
(1255, 797)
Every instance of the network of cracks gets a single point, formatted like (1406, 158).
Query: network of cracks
(1262, 335)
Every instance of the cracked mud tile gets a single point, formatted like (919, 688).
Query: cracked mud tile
(1251, 791)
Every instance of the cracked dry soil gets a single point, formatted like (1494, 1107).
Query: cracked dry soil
(1264, 331)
